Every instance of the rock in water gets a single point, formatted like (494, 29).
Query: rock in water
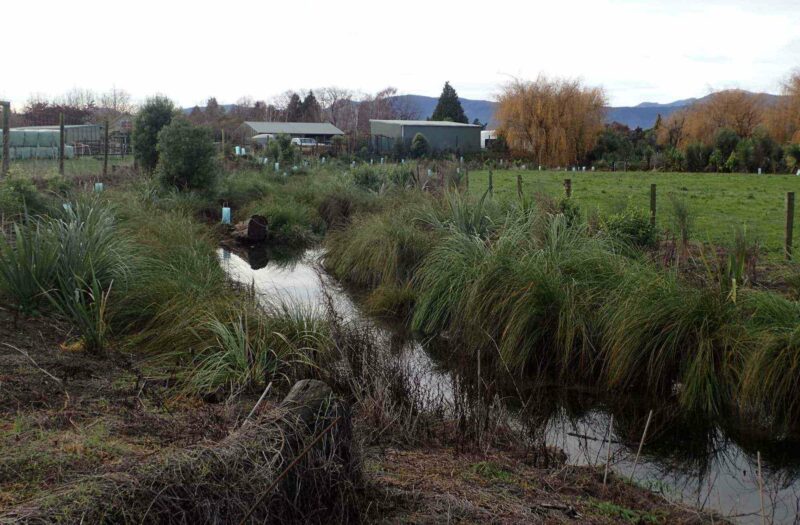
(257, 228)
(254, 230)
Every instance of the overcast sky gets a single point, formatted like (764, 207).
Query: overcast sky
(638, 51)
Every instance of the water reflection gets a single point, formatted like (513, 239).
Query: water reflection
(686, 459)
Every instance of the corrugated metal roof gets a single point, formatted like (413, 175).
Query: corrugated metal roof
(443, 123)
(295, 128)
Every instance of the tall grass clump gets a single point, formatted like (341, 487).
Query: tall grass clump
(239, 344)
(379, 248)
(71, 259)
(442, 282)
(666, 336)
(461, 214)
(770, 385)
(532, 291)
(27, 263)
(90, 245)
(177, 272)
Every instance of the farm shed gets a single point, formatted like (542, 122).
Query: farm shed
(322, 132)
(442, 136)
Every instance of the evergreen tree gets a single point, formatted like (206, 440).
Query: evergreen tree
(449, 107)
(213, 112)
(156, 113)
(310, 109)
(419, 146)
(294, 110)
(186, 156)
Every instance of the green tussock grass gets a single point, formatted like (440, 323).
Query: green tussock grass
(659, 332)
(771, 382)
(380, 248)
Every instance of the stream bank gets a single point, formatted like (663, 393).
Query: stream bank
(711, 469)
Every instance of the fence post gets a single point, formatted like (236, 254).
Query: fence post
(568, 187)
(653, 205)
(466, 178)
(6, 136)
(519, 186)
(61, 144)
(223, 143)
(105, 151)
(787, 242)
(491, 185)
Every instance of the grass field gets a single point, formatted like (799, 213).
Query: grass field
(719, 202)
(79, 166)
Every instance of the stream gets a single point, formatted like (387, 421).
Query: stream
(701, 465)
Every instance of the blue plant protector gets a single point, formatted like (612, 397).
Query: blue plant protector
(98, 186)
(238, 150)
(277, 166)
(226, 215)
(67, 206)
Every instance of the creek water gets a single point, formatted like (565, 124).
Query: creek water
(696, 463)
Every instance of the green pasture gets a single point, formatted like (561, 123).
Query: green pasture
(718, 201)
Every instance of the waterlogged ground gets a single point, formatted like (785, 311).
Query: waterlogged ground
(705, 468)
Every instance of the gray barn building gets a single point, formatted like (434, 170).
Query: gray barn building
(322, 132)
(450, 136)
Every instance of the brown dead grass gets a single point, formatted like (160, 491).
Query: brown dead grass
(439, 485)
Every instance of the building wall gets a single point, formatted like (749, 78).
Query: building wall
(455, 138)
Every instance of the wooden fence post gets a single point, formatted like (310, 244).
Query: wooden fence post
(519, 186)
(491, 185)
(6, 136)
(105, 151)
(787, 242)
(568, 187)
(61, 144)
(466, 178)
(653, 205)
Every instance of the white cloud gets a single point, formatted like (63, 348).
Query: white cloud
(656, 51)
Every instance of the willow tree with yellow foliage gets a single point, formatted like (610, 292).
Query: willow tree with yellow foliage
(783, 118)
(556, 121)
(740, 111)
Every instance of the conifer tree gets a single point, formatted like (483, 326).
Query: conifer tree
(449, 107)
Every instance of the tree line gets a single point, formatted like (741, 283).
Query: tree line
(560, 122)
(347, 109)
(79, 106)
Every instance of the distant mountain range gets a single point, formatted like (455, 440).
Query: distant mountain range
(643, 115)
